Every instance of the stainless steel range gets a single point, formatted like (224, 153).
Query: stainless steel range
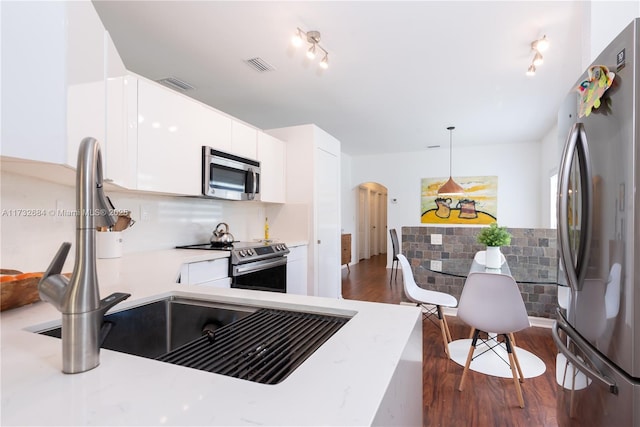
(253, 265)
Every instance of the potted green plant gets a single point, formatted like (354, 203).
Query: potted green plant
(493, 237)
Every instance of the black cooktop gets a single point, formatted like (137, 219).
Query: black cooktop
(214, 246)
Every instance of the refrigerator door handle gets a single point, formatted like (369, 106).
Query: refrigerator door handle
(592, 373)
(576, 143)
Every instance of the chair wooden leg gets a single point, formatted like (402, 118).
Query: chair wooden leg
(515, 380)
(471, 332)
(446, 326)
(444, 338)
(512, 364)
(515, 357)
(475, 334)
(446, 335)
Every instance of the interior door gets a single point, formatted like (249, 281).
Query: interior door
(328, 280)
(363, 221)
(373, 226)
(382, 223)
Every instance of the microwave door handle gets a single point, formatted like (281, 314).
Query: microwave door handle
(255, 183)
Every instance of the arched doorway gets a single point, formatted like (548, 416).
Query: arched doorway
(371, 220)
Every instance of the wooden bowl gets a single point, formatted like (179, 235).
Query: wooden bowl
(18, 290)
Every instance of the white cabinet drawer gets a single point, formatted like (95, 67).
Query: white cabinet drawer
(219, 283)
(196, 273)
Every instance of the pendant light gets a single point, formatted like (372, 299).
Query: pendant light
(451, 188)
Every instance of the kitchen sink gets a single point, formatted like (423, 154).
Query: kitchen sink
(161, 326)
(263, 345)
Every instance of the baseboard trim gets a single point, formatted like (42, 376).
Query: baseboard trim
(538, 322)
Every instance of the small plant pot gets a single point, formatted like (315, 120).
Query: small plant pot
(493, 257)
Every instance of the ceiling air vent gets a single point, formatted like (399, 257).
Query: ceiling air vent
(259, 65)
(176, 84)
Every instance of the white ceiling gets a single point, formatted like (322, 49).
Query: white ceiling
(400, 72)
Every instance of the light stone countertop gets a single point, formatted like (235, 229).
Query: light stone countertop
(369, 372)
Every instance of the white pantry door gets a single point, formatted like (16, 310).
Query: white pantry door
(328, 280)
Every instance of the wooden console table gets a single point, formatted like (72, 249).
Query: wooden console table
(346, 250)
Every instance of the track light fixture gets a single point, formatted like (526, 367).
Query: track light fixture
(537, 46)
(538, 60)
(532, 70)
(541, 44)
(313, 39)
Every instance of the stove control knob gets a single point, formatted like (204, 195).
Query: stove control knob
(243, 253)
(251, 252)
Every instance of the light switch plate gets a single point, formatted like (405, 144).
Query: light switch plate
(436, 239)
(435, 265)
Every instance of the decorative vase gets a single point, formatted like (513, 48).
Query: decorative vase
(493, 257)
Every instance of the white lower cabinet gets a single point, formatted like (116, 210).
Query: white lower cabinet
(213, 272)
(297, 270)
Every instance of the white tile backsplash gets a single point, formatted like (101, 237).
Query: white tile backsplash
(31, 231)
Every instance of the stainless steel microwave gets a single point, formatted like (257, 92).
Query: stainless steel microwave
(231, 177)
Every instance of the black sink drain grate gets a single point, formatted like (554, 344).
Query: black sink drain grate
(264, 347)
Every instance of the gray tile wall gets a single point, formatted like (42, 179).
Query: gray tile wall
(531, 256)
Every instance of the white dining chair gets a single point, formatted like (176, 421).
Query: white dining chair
(492, 303)
(395, 245)
(430, 301)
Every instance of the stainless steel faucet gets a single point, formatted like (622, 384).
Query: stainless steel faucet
(78, 298)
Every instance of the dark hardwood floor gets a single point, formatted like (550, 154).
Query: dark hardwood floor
(485, 400)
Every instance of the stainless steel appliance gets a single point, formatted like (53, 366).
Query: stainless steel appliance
(227, 176)
(598, 326)
(253, 265)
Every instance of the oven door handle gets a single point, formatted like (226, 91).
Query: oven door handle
(250, 267)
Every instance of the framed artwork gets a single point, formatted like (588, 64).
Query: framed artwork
(478, 205)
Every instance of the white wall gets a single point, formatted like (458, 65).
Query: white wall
(604, 20)
(550, 150)
(348, 203)
(348, 220)
(30, 240)
(517, 167)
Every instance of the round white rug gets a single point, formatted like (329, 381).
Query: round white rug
(490, 363)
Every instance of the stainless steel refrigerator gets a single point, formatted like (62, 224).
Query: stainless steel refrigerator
(597, 331)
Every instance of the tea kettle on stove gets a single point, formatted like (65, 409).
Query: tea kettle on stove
(221, 234)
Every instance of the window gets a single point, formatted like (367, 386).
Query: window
(553, 192)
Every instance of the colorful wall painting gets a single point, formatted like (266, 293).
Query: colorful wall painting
(478, 205)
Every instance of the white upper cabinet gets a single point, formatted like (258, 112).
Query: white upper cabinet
(56, 69)
(119, 155)
(243, 140)
(272, 158)
(86, 79)
(172, 129)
